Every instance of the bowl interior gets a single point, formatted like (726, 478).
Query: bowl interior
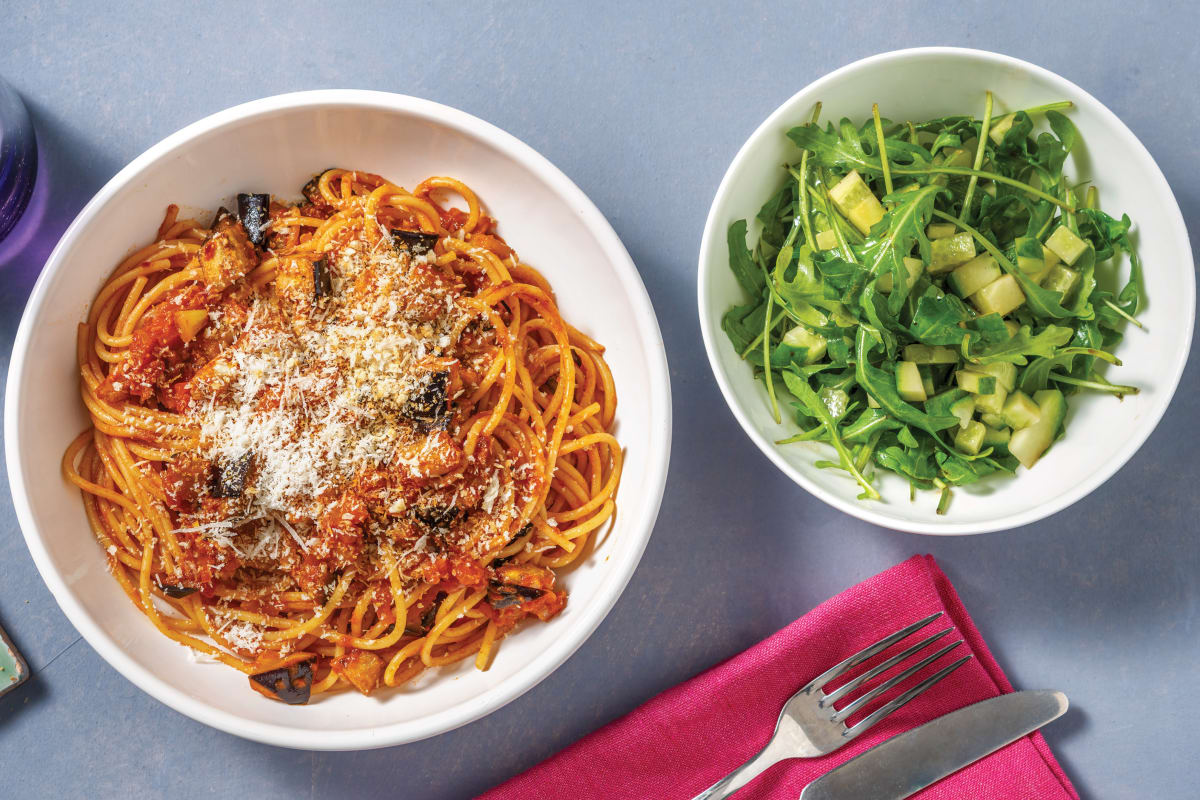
(1102, 432)
(276, 147)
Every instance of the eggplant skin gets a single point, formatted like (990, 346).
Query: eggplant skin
(415, 242)
(177, 590)
(503, 595)
(524, 530)
(322, 280)
(254, 212)
(291, 684)
(429, 407)
(229, 479)
(437, 517)
(312, 191)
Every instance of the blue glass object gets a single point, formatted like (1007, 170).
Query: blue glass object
(18, 158)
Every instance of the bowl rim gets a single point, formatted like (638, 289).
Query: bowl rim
(619, 570)
(712, 238)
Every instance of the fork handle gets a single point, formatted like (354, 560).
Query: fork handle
(758, 764)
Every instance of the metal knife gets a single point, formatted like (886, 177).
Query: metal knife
(909, 762)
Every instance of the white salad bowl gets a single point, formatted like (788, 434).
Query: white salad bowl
(275, 145)
(1102, 432)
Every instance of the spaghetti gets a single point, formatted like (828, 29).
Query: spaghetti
(337, 442)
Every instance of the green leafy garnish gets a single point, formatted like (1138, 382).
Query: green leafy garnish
(853, 315)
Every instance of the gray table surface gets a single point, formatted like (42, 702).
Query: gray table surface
(643, 106)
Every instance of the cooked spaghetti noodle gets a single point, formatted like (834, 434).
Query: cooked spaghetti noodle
(335, 443)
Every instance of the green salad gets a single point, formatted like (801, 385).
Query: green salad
(924, 296)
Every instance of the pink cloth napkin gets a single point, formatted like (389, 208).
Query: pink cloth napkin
(688, 737)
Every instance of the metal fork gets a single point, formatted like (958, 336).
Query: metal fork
(809, 725)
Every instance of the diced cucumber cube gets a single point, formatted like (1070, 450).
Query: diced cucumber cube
(948, 253)
(1002, 296)
(992, 420)
(925, 354)
(1029, 255)
(975, 382)
(1020, 411)
(940, 230)
(1066, 244)
(1000, 126)
(1028, 444)
(909, 383)
(914, 266)
(1049, 260)
(1061, 279)
(1004, 373)
(996, 437)
(814, 344)
(974, 275)
(970, 438)
(959, 157)
(992, 403)
(872, 402)
(1011, 327)
(857, 203)
(964, 409)
(827, 240)
(927, 382)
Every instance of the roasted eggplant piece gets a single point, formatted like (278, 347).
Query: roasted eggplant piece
(229, 479)
(312, 191)
(528, 526)
(438, 517)
(503, 595)
(177, 590)
(254, 212)
(415, 242)
(428, 407)
(222, 214)
(428, 618)
(291, 684)
(322, 279)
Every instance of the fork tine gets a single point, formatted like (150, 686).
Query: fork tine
(891, 682)
(903, 699)
(863, 655)
(850, 686)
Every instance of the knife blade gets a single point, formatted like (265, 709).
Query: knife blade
(910, 761)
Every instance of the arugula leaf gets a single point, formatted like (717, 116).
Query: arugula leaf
(1015, 140)
(990, 327)
(945, 139)
(870, 421)
(1063, 128)
(936, 318)
(1024, 343)
(799, 387)
(1108, 237)
(748, 275)
(845, 148)
(742, 324)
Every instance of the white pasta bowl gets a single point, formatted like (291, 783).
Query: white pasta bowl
(275, 145)
(1102, 433)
